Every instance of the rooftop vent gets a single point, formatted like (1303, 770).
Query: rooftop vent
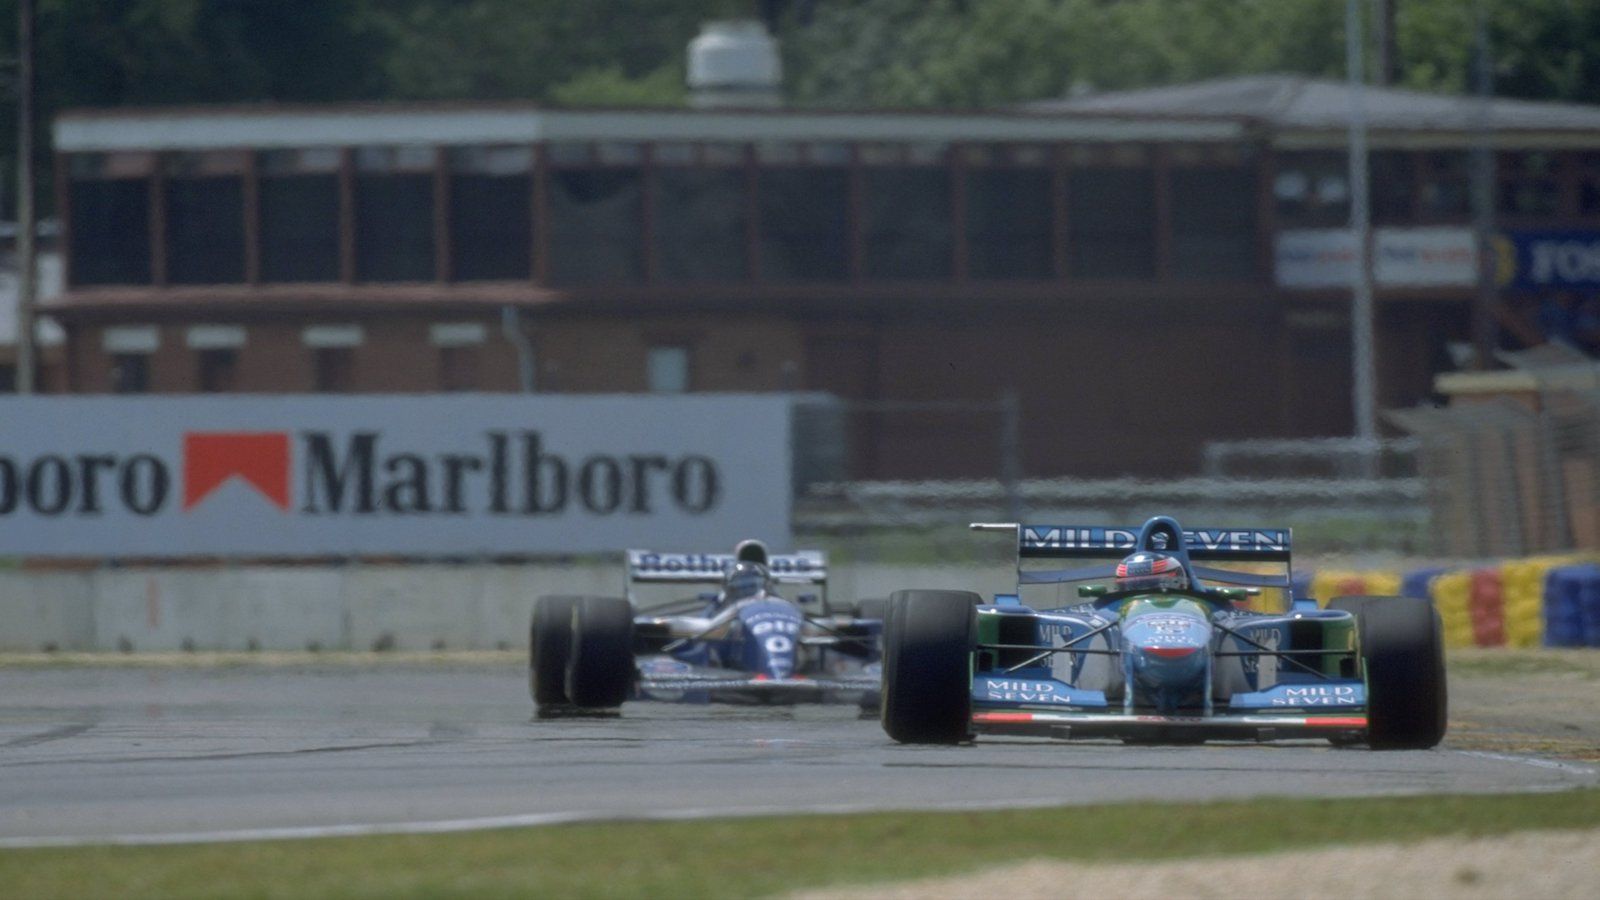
(734, 63)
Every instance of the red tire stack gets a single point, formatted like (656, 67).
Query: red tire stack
(1487, 608)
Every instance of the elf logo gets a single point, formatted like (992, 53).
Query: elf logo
(358, 474)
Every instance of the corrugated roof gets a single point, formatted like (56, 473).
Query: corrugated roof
(1291, 102)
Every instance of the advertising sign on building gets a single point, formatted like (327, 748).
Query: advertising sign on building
(1317, 258)
(1549, 259)
(407, 475)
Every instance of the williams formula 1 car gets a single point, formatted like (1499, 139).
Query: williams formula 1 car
(741, 643)
(1158, 648)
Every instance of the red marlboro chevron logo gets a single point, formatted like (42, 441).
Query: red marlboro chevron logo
(260, 458)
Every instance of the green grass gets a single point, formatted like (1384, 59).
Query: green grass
(746, 857)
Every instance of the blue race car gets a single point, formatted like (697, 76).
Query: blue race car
(1157, 648)
(741, 643)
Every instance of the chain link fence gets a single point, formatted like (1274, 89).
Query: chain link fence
(1512, 464)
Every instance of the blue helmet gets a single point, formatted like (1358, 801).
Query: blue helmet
(745, 580)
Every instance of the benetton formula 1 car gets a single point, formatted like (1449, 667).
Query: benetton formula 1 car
(1158, 649)
(742, 643)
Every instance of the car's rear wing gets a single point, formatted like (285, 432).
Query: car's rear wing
(1100, 541)
(648, 566)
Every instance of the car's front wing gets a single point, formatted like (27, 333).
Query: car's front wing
(1266, 727)
(734, 681)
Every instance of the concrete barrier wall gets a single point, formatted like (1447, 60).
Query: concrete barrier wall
(353, 607)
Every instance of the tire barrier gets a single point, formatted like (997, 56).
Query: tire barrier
(1572, 606)
(1552, 601)
(1452, 594)
(1326, 585)
(1486, 608)
(1419, 582)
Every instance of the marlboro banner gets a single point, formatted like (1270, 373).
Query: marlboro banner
(246, 476)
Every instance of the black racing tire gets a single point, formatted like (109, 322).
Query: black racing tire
(1402, 653)
(549, 648)
(927, 666)
(601, 670)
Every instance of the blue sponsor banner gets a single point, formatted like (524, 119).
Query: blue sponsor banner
(1548, 259)
(1302, 696)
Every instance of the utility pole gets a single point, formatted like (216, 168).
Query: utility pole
(1363, 368)
(1383, 23)
(1485, 331)
(25, 216)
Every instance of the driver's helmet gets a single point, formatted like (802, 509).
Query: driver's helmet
(1150, 571)
(745, 580)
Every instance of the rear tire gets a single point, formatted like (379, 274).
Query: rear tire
(927, 666)
(549, 648)
(1402, 651)
(600, 672)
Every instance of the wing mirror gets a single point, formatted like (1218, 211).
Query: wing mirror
(1092, 590)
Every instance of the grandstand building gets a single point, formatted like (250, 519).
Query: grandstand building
(1146, 270)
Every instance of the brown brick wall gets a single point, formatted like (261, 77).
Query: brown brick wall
(396, 355)
(607, 353)
(1104, 391)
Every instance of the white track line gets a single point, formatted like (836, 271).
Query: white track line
(1535, 761)
(532, 820)
(526, 820)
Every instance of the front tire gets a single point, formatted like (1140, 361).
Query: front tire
(549, 648)
(928, 641)
(1402, 651)
(600, 672)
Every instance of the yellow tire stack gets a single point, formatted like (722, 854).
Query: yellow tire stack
(1524, 593)
(1330, 583)
(1452, 594)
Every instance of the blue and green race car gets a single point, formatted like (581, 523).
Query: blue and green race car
(1158, 648)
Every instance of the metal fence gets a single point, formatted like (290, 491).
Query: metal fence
(1512, 465)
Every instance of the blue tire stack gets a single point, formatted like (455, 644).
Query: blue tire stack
(1416, 583)
(1572, 607)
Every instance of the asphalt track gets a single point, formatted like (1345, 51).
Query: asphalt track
(155, 755)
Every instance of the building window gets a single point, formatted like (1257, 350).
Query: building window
(1588, 168)
(1446, 179)
(1111, 222)
(459, 344)
(333, 356)
(130, 373)
(333, 370)
(110, 232)
(491, 213)
(394, 214)
(1530, 184)
(1214, 223)
(458, 368)
(595, 219)
(805, 223)
(1009, 219)
(906, 222)
(1313, 190)
(1393, 176)
(299, 197)
(700, 224)
(205, 218)
(218, 370)
(667, 369)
